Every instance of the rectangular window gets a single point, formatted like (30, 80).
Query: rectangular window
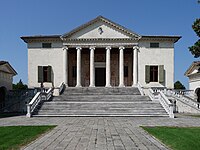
(154, 45)
(46, 45)
(44, 74)
(74, 71)
(125, 71)
(153, 73)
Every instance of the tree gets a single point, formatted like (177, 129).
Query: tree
(195, 49)
(178, 85)
(20, 86)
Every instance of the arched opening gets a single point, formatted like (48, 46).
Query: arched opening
(197, 91)
(2, 97)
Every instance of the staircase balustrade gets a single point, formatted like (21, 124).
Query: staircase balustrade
(37, 99)
(168, 106)
(140, 89)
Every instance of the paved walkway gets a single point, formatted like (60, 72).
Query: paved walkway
(101, 133)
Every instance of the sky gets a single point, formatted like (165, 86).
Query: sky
(49, 17)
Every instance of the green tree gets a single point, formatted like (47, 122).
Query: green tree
(20, 86)
(178, 85)
(195, 49)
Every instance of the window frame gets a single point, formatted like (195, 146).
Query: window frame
(154, 44)
(46, 45)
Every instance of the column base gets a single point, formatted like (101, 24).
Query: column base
(121, 85)
(91, 85)
(78, 85)
(108, 86)
(134, 85)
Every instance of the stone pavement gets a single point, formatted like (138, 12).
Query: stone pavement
(98, 133)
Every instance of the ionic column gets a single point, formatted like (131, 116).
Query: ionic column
(92, 69)
(78, 74)
(135, 65)
(65, 66)
(108, 66)
(121, 66)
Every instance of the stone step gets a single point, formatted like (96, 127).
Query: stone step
(101, 115)
(101, 91)
(101, 101)
(101, 97)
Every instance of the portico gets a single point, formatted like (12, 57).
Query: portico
(93, 57)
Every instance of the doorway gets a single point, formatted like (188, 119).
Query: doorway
(100, 76)
(198, 94)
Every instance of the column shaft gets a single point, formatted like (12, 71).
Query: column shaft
(108, 66)
(65, 66)
(135, 66)
(78, 77)
(92, 68)
(121, 66)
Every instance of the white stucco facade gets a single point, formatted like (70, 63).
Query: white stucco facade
(101, 41)
(6, 75)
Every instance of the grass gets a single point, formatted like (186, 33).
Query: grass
(177, 138)
(14, 137)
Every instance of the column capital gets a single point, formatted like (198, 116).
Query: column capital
(121, 47)
(78, 48)
(65, 48)
(136, 47)
(108, 48)
(92, 48)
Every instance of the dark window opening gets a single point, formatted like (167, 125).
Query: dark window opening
(125, 71)
(154, 45)
(74, 71)
(153, 73)
(45, 74)
(46, 45)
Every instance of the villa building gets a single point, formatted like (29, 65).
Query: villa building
(101, 53)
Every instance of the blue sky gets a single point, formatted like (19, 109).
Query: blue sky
(46, 17)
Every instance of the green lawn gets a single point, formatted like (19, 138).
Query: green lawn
(13, 137)
(177, 138)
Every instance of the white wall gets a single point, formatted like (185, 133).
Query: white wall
(6, 80)
(38, 56)
(194, 81)
(164, 55)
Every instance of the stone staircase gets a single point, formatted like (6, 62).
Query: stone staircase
(101, 101)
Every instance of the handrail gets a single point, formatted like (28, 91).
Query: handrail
(151, 94)
(37, 99)
(140, 89)
(33, 103)
(61, 87)
(168, 106)
(182, 96)
(49, 94)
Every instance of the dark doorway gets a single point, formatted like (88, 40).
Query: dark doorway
(198, 94)
(2, 97)
(100, 76)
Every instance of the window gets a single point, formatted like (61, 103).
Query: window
(154, 45)
(125, 71)
(46, 45)
(153, 73)
(74, 71)
(44, 74)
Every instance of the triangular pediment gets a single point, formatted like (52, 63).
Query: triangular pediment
(101, 28)
(6, 68)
